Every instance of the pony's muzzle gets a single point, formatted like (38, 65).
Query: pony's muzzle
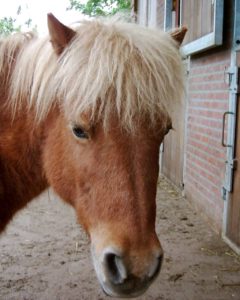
(115, 268)
(117, 277)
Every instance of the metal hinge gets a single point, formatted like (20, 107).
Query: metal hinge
(232, 79)
(232, 163)
(224, 193)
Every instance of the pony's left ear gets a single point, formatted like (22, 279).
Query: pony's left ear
(179, 34)
(60, 34)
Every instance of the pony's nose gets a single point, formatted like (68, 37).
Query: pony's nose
(115, 269)
(156, 267)
(122, 279)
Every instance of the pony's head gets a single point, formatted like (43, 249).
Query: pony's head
(104, 91)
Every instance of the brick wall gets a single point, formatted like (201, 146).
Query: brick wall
(208, 98)
(205, 157)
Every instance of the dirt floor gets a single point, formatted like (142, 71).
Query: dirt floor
(45, 255)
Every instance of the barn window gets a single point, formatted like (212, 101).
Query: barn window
(236, 34)
(204, 19)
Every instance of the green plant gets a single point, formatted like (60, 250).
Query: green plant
(94, 8)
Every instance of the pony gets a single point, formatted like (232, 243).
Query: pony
(84, 111)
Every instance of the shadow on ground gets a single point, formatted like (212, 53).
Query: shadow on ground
(45, 255)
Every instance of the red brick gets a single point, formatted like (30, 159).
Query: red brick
(214, 77)
(212, 114)
(214, 67)
(209, 95)
(217, 153)
(209, 86)
(210, 104)
(199, 185)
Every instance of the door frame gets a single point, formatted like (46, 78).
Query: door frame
(234, 73)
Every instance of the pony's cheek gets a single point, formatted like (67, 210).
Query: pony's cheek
(82, 206)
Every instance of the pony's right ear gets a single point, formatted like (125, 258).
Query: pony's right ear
(60, 34)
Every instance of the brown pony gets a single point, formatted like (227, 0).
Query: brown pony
(84, 112)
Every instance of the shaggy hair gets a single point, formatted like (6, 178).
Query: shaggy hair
(109, 66)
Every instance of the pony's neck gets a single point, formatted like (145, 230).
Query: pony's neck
(21, 172)
(21, 141)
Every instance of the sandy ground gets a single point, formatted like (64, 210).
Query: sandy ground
(45, 255)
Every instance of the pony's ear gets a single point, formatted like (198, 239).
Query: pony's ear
(179, 34)
(60, 34)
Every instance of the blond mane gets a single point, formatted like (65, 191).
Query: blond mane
(108, 66)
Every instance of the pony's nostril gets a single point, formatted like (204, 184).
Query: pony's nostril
(115, 268)
(155, 267)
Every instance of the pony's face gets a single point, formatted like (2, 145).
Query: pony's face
(110, 177)
(110, 174)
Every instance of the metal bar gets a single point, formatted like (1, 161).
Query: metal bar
(223, 128)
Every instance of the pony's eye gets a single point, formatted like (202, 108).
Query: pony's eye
(79, 132)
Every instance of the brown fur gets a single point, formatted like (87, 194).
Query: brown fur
(110, 178)
(21, 174)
